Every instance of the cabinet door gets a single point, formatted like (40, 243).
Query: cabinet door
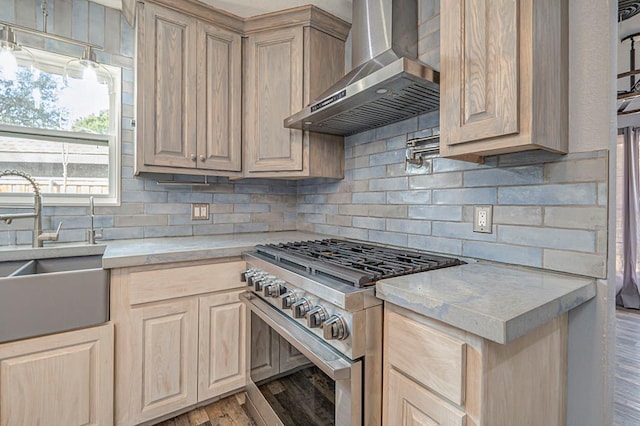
(165, 336)
(222, 345)
(265, 350)
(479, 76)
(409, 404)
(219, 99)
(62, 379)
(273, 91)
(167, 87)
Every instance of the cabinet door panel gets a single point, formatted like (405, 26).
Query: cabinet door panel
(222, 345)
(219, 100)
(479, 60)
(167, 356)
(63, 379)
(169, 102)
(409, 404)
(273, 92)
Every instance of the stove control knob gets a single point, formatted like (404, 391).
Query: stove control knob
(259, 283)
(249, 274)
(288, 299)
(317, 316)
(335, 328)
(301, 307)
(275, 288)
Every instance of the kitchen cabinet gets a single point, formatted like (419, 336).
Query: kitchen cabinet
(222, 340)
(504, 77)
(290, 58)
(60, 379)
(180, 336)
(189, 85)
(438, 374)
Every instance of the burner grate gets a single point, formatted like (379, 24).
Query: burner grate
(358, 264)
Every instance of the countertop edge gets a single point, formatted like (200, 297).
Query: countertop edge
(482, 323)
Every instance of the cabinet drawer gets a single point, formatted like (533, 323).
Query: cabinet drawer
(438, 365)
(153, 285)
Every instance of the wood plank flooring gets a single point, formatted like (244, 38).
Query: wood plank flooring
(627, 379)
(225, 412)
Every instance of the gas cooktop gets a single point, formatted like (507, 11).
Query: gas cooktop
(355, 263)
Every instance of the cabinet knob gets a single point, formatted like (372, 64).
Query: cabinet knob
(193, 157)
(202, 158)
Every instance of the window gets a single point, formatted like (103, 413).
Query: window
(60, 128)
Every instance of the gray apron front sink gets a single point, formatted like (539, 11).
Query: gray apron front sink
(45, 296)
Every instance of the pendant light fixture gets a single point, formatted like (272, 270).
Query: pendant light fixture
(12, 54)
(88, 69)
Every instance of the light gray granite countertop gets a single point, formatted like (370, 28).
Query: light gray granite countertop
(499, 303)
(149, 251)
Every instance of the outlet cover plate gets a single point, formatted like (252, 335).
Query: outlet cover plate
(199, 211)
(483, 219)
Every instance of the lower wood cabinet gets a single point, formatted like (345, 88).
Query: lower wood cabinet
(181, 344)
(222, 353)
(435, 374)
(62, 379)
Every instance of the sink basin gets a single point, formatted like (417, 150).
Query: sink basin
(45, 296)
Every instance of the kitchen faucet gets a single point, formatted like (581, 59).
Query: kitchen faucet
(38, 235)
(91, 233)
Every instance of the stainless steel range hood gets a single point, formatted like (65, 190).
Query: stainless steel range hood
(387, 83)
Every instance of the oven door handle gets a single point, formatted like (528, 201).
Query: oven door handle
(331, 363)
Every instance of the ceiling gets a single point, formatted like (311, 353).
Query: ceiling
(246, 8)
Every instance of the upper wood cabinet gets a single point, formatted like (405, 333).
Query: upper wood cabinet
(189, 85)
(504, 77)
(290, 58)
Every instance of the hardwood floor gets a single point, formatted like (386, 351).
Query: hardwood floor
(225, 412)
(627, 380)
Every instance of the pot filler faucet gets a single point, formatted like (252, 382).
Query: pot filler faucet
(38, 235)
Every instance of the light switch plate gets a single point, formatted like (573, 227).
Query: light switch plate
(483, 219)
(199, 211)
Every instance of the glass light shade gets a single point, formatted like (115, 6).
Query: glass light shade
(8, 63)
(88, 70)
(12, 55)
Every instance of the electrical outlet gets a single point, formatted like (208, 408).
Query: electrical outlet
(199, 211)
(483, 219)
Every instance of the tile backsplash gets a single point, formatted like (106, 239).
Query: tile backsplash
(550, 211)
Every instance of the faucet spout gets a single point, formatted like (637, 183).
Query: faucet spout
(37, 206)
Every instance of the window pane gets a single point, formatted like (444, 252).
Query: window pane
(43, 100)
(59, 127)
(59, 168)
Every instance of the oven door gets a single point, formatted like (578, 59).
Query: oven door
(296, 378)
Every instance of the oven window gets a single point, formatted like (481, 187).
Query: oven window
(297, 391)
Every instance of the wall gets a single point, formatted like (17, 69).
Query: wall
(147, 209)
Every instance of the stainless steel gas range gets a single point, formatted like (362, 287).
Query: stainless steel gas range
(315, 340)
